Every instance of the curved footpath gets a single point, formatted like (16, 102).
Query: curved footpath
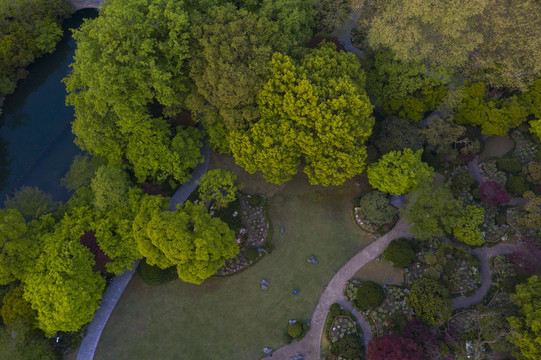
(343, 33)
(119, 283)
(309, 346)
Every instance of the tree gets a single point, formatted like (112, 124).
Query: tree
(329, 14)
(294, 330)
(369, 296)
(424, 336)
(526, 333)
(396, 134)
(399, 253)
(17, 250)
(190, 239)
(19, 342)
(398, 172)
(467, 229)
(349, 346)
(401, 87)
(312, 114)
(376, 209)
(14, 306)
(393, 347)
(82, 170)
(431, 301)
(493, 193)
(28, 29)
(441, 133)
(62, 287)
(218, 186)
(434, 212)
(430, 31)
(230, 62)
(110, 186)
(30, 201)
(131, 59)
(494, 117)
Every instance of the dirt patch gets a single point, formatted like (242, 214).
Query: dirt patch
(496, 146)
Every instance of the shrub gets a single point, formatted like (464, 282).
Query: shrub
(153, 275)
(294, 330)
(476, 194)
(399, 253)
(369, 296)
(463, 180)
(219, 187)
(517, 185)
(255, 200)
(349, 347)
(493, 193)
(226, 215)
(376, 209)
(509, 164)
(431, 301)
(251, 254)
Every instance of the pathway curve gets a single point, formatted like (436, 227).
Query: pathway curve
(484, 254)
(119, 283)
(343, 33)
(310, 344)
(473, 168)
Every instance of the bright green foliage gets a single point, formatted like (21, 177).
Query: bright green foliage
(431, 301)
(28, 29)
(230, 61)
(495, 118)
(218, 186)
(376, 209)
(527, 326)
(532, 99)
(399, 253)
(62, 287)
(400, 87)
(16, 246)
(190, 239)
(15, 306)
(398, 172)
(467, 228)
(294, 330)
(432, 31)
(31, 202)
(434, 212)
(19, 342)
(110, 187)
(315, 113)
(82, 170)
(395, 134)
(129, 58)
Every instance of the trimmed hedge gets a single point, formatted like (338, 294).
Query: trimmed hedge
(399, 253)
(294, 330)
(251, 254)
(509, 164)
(369, 296)
(517, 185)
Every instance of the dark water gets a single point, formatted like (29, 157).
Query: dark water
(36, 143)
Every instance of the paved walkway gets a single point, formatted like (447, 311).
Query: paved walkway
(119, 283)
(343, 33)
(473, 168)
(334, 292)
(484, 254)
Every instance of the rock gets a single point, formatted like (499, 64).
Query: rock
(281, 229)
(263, 287)
(267, 350)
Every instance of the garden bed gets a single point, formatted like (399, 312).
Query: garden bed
(371, 228)
(341, 326)
(391, 313)
(253, 233)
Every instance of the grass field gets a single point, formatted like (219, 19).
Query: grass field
(232, 318)
(379, 272)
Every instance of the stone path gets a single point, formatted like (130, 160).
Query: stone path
(484, 254)
(334, 292)
(473, 168)
(119, 283)
(343, 33)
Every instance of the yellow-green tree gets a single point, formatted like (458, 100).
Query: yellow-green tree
(399, 171)
(526, 335)
(189, 238)
(467, 226)
(314, 113)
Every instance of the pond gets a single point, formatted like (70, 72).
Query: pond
(36, 143)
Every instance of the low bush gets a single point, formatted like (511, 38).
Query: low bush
(376, 209)
(153, 275)
(226, 215)
(369, 296)
(517, 185)
(399, 253)
(251, 254)
(294, 330)
(509, 164)
(463, 180)
(349, 347)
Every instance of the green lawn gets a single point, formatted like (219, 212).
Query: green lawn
(232, 318)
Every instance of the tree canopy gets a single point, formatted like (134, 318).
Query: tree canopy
(431, 301)
(312, 114)
(399, 171)
(218, 186)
